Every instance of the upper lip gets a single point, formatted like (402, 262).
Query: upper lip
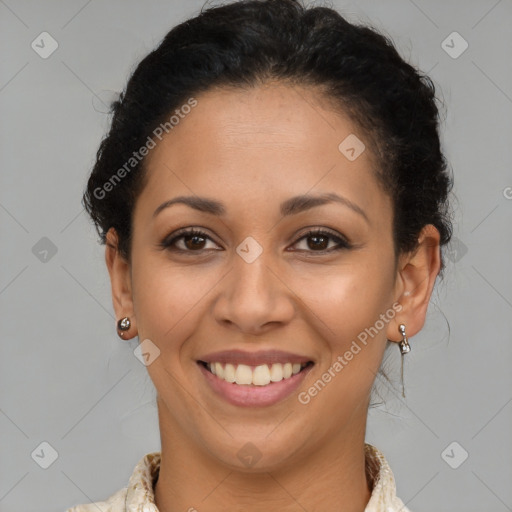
(254, 358)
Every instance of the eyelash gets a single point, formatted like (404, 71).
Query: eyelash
(168, 243)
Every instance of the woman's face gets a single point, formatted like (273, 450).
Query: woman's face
(255, 281)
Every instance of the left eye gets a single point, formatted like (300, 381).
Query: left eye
(194, 240)
(320, 241)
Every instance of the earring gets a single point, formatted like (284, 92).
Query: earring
(405, 348)
(123, 325)
(404, 344)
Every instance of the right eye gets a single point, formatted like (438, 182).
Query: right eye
(192, 240)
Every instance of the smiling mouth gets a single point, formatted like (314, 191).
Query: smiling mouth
(260, 375)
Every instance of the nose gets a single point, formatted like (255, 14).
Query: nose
(253, 298)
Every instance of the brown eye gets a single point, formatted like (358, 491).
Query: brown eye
(190, 240)
(194, 241)
(319, 240)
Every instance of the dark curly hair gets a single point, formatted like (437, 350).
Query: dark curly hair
(249, 42)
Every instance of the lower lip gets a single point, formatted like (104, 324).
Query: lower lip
(254, 396)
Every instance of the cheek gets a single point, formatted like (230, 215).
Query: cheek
(344, 307)
(167, 299)
(347, 299)
(347, 305)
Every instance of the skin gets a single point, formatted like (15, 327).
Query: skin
(251, 150)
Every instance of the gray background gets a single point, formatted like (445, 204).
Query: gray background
(65, 376)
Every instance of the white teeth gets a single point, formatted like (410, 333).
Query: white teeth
(276, 372)
(229, 373)
(261, 375)
(219, 371)
(243, 374)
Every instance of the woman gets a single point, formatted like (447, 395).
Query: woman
(273, 200)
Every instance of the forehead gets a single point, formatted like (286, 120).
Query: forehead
(265, 142)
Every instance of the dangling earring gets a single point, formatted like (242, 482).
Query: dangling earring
(404, 344)
(123, 325)
(405, 348)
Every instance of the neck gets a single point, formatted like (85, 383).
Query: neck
(328, 479)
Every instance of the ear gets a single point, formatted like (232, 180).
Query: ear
(120, 280)
(414, 283)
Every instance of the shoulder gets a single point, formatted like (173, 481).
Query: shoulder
(139, 491)
(382, 481)
(114, 503)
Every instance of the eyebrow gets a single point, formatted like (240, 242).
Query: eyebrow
(292, 206)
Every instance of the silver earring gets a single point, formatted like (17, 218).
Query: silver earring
(123, 325)
(404, 349)
(404, 344)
